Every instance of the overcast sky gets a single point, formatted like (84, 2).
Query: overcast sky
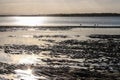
(58, 6)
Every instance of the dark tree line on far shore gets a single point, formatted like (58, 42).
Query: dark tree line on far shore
(74, 14)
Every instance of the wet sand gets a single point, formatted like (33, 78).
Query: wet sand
(29, 53)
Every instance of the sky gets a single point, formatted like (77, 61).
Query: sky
(32, 7)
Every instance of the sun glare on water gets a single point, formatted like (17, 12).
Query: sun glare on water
(30, 21)
(28, 74)
(25, 74)
(28, 59)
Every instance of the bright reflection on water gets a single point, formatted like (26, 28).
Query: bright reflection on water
(24, 59)
(23, 74)
(30, 21)
(26, 75)
(29, 59)
(59, 21)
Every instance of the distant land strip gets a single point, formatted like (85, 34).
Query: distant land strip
(74, 15)
(68, 27)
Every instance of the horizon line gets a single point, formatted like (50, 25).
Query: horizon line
(65, 14)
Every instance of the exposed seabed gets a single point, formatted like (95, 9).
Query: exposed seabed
(59, 53)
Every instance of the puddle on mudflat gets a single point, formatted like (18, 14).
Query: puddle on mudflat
(27, 61)
(27, 75)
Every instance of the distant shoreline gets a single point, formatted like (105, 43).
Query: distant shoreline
(59, 26)
(74, 15)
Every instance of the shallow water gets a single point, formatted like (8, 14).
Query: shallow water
(60, 21)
